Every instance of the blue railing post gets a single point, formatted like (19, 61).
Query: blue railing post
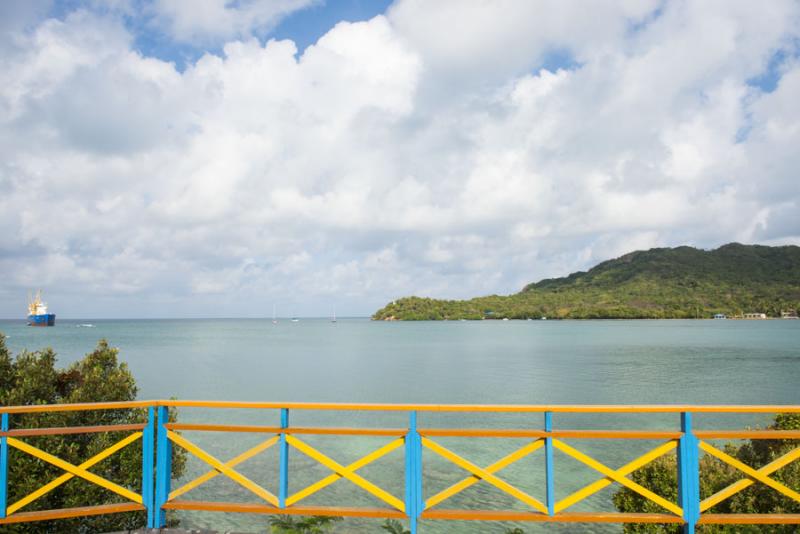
(3, 466)
(163, 468)
(549, 474)
(689, 474)
(414, 500)
(283, 475)
(147, 467)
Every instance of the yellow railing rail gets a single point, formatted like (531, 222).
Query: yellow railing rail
(159, 436)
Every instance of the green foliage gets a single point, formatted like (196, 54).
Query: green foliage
(677, 283)
(660, 476)
(393, 526)
(32, 378)
(288, 524)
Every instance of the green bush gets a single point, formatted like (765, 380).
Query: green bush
(289, 524)
(32, 378)
(660, 476)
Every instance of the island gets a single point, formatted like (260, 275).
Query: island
(732, 281)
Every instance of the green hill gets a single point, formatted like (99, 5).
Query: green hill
(682, 282)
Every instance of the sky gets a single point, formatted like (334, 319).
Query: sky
(216, 158)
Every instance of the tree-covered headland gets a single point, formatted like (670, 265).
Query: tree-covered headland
(674, 283)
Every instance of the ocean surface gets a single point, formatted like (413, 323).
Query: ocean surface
(356, 360)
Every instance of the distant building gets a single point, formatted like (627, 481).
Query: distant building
(755, 315)
(720, 316)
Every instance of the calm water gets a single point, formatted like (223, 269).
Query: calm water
(357, 360)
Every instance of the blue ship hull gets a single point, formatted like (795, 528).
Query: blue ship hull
(46, 319)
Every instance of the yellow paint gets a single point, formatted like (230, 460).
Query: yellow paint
(746, 469)
(610, 473)
(75, 470)
(67, 476)
(483, 474)
(202, 479)
(494, 468)
(738, 486)
(358, 464)
(356, 479)
(626, 469)
(222, 468)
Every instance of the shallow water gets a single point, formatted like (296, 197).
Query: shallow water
(356, 360)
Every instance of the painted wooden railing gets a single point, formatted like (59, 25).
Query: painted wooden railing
(159, 436)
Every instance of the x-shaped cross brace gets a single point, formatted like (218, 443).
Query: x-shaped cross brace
(348, 472)
(74, 471)
(223, 468)
(202, 479)
(486, 474)
(617, 476)
(626, 469)
(760, 475)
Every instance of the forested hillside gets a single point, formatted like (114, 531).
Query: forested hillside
(682, 282)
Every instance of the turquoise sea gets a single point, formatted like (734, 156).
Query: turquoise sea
(356, 360)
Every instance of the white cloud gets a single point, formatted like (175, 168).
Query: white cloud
(205, 21)
(390, 158)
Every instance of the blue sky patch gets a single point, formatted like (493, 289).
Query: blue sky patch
(559, 58)
(768, 80)
(304, 26)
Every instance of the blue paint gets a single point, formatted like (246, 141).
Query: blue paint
(3, 466)
(147, 467)
(689, 475)
(283, 480)
(414, 501)
(409, 469)
(163, 468)
(44, 319)
(549, 472)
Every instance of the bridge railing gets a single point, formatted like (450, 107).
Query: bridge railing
(159, 436)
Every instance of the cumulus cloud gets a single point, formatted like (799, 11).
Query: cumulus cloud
(207, 21)
(436, 149)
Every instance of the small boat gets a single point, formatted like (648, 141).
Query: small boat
(274, 318)
(37, 312)
(333, 319)
(295, 320)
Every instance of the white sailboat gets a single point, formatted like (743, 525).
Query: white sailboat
(274, 318)
(333, 319)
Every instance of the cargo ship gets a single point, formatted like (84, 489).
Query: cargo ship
(37, 312)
